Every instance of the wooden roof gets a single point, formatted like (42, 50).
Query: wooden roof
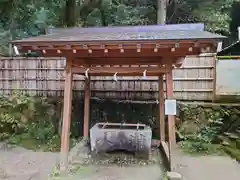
(100, 50)
(131, 33)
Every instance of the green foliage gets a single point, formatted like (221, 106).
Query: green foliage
(200, 144)
(24, 18)
(27, 120)
(215, 14)
(209, 129)
(108, 13)
(31, 122)
(15, 111)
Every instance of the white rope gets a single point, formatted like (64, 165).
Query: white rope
(127, 101)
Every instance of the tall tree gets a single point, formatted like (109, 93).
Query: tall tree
(162, 11)
(70, 16)
(235, 17)
(31, 17)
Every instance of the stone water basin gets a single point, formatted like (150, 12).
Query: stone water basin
(106, 137)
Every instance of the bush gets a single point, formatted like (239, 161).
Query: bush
(25, 117)
(15, 113)
(209, 129)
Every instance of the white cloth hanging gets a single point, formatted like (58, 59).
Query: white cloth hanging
(86, 73)
(16, 50)
(115, 76)
(145, 74)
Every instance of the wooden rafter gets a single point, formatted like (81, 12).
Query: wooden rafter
(118, 49)
(113, 44)
(165, 52)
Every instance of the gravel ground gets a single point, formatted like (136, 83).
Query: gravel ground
(207, 167)
(20, 164)
(100, 172)
(113, 166)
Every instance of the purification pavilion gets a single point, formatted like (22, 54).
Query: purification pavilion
(121, 51)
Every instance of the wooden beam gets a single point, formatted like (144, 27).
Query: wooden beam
(111, 44)
(161, 109)
(99, 53)
(178, 61)
(67, 112)
(118, 61)
(87, 95)
(121, 71)
(171, 118)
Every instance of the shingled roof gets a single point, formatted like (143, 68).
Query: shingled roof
(129, 33)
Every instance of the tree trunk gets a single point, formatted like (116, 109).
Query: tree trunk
(70, 18)
(162, 11)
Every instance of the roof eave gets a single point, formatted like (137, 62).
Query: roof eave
(18, 42)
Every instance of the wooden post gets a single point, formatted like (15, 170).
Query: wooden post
(86, 106)
(215, 59)
(67, 112)
(171, 118)
(214, 78)
(161, 109)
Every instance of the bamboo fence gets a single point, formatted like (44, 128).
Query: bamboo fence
(45, 77)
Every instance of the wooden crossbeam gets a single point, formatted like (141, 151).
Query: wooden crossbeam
(121, 71)
(78, 46)
(119, 61)
(114, 53)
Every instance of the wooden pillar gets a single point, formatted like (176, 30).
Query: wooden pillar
(171, 118)
(67, 113)
(161, 109)
(214, 78)
(87, 95)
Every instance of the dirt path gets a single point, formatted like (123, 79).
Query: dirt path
(207, 167)
(21, 164)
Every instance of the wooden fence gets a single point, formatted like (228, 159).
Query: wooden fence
(227, 74)
(39, 76)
